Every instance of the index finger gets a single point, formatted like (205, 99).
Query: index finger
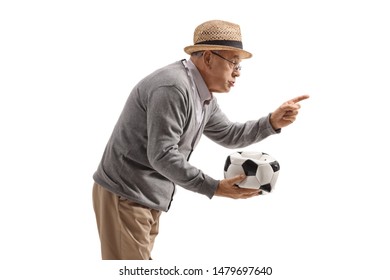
(299, 98)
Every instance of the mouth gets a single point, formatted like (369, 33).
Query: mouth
(231, 83)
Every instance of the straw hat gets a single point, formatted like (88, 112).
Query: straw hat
(218, 35)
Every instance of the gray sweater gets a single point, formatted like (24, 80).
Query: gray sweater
(148, 151)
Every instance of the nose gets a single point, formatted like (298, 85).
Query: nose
(236, 73)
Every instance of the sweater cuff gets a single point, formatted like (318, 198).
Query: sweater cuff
(209, 186)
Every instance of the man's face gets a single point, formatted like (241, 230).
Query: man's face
(223, 70)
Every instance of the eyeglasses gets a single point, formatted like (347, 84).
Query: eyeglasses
(236, 66)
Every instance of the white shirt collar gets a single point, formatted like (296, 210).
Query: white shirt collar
(203, 91)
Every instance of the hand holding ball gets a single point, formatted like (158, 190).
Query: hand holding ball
(261, 170)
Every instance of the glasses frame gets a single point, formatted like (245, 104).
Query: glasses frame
(236, 66)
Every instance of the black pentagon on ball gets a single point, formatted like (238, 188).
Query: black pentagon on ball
(266, 187)
(275, 165)
(250, 167)
(227, 163)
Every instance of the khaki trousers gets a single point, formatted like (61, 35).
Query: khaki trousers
(126, 229)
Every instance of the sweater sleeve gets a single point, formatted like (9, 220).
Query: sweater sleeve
(237, 135)
(166, 119)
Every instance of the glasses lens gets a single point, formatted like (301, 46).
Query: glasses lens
(236, 66)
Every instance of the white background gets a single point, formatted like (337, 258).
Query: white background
(66, 69)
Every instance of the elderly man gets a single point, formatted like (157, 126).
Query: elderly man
(162, 121)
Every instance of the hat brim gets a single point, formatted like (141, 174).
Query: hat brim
(195, 48)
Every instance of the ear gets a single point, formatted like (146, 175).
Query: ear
(207, 58)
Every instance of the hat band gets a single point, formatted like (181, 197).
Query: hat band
(228, 43)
